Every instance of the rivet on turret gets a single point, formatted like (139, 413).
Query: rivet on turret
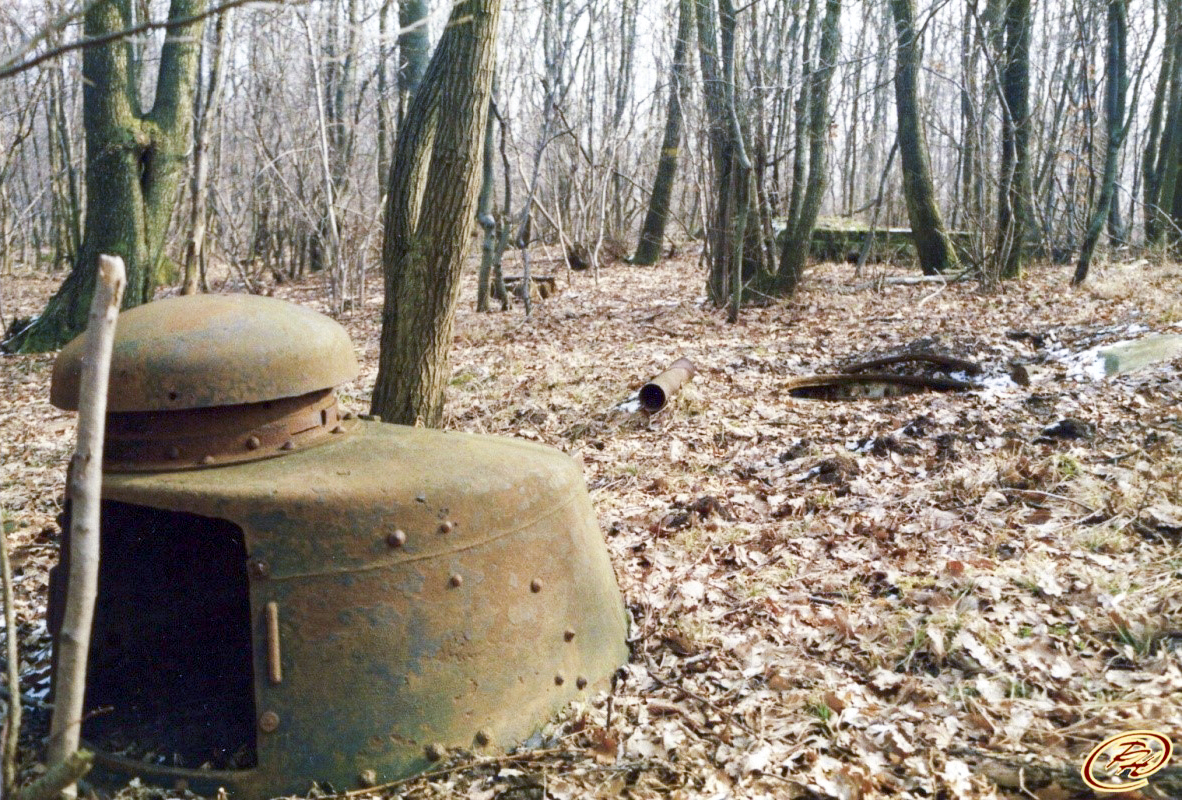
(338, 429)
(260, 569)
(447, 526)
(581, 682)
(568, 635)
(288, 445)
(252, 443)
(396, 538)
(207, 459)
(535, 586)
(434, 752)
(269, 722)
(483, 737)
(173, 453)
(559, 680)
(455, 580)
(367, 778)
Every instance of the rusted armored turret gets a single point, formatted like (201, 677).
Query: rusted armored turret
(289, 594)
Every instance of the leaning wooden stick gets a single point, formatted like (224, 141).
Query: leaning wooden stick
(13, 723)
(85, 486)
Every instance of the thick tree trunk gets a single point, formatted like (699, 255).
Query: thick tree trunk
(430, 207)
(927, 226)
(797, 238)
(652, 236)
(1117, 85)
(134, 161)
(1013, 210)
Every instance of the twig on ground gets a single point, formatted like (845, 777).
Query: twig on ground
(1020, 493)
(726, 715)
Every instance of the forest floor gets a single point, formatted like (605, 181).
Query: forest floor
(937, 595)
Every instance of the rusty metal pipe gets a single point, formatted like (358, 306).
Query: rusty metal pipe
(656, 393)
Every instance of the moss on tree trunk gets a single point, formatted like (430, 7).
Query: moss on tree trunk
(927, 225)
(652, 235)
(795, 250)
(134, 160)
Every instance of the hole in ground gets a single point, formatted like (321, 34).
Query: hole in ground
(863, 387)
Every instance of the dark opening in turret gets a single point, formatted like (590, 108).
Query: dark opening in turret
(170, 679)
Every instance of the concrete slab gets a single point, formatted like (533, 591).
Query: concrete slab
(1132, 356)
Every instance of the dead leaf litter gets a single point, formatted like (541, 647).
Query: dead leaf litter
(914, 595)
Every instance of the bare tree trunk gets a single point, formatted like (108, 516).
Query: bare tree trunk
(332, 232)
(719, 215)
(970, 178)
(73, 642)
(798, 237)
(199, 213)
(434, 180)
(1013, 211)
(1117, 85)
(652, 236)
(484, 215)
(927, 225)
(801, 126)
(506, 216)
(740, 189)
(623, 94)
(414, 49)
(1159, 163)
(383, 102)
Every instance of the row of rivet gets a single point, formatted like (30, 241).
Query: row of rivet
(254, 443)
(261, 569)
(269, 723)
(397, 538)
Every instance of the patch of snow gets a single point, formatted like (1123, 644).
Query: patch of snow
(1088, 365)
(995, 385)
(631, 405)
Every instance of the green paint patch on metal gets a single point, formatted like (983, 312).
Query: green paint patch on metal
(1132, 356)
